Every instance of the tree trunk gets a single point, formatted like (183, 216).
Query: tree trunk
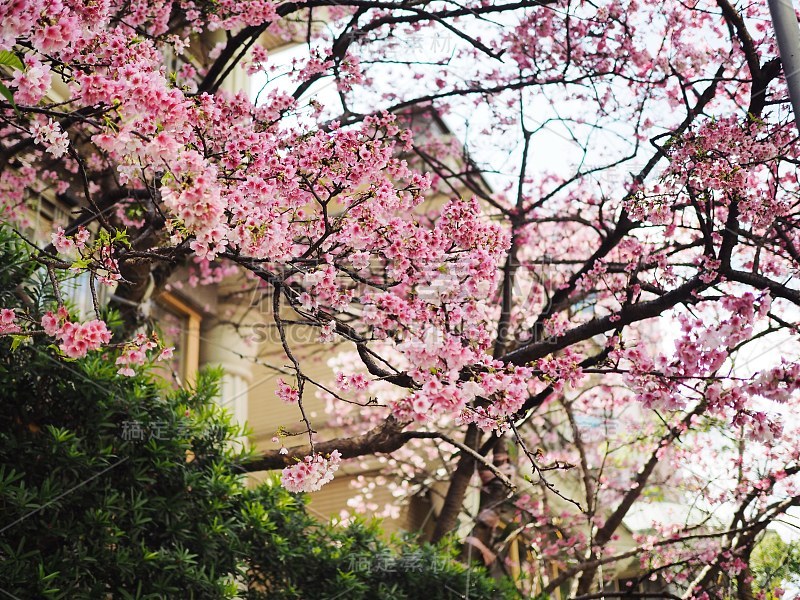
(493, 495)
(459, 483)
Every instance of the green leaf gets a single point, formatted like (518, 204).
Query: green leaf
(81, 263)
(9, 59)
(16, 340)
(8, 95)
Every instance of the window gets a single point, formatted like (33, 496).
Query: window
(178, 325)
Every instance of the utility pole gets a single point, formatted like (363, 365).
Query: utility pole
(787, 32)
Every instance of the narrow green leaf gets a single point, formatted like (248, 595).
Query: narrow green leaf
(8, 95)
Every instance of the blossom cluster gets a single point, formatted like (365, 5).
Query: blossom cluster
(65, 244)
(77, 339)
(52, 137)
(135, 353)
(287, 393)
(32, 82)
(311, 473)
(734, 159)
(701, 351)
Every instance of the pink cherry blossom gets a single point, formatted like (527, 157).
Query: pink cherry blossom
(52, 137)
(50, 323)
(77, 339)
(287, 393)
(7, 324)
(61, 242)
(310, 474)
(33, 82)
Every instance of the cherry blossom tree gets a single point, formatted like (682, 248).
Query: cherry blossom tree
(624, 168)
